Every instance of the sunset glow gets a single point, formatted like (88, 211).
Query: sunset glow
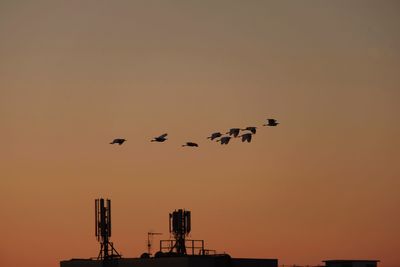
(323, 184)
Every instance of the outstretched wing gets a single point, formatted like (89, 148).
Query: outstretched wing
(249, 136)
(252, 129)
(163, 135)
(226, 139)
(215, 135)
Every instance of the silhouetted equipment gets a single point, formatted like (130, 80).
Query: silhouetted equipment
(214, 135)
(177, 252)
(103, 229)
(191, 144)
(180, 227)
(246, 137)
(160, 138)
(251, 129)
(118, 141)
(234, 131)
(224, 140)
(149, 241)
(271, 122)
(351, 263)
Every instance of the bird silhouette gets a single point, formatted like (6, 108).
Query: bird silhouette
(251, 129)
(234, 131)
(191, 144)
(224, 140)
(160, 138)
(118, 141)
(246, 137)
(271, 122)
(214, 135)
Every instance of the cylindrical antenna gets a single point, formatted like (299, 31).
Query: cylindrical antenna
(187, 221)
(170, 218)
(109, 216)
(103, 229)
(96, 223)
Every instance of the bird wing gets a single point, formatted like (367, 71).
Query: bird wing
(251, 129)
(163, 135)
(227, 138)
(191, 144)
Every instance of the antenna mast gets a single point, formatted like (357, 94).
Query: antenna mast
(103, 229)
(179, 226)
(149, 241)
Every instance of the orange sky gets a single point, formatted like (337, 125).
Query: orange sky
(323, 185)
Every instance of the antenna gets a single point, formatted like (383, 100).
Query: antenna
(150, 241)
(179, 226)
(103, 229)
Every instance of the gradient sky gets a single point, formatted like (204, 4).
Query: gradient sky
(76, 74)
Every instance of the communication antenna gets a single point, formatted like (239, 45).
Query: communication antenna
(179, 227)
(103, 229)
(150, 241)
(178, 244)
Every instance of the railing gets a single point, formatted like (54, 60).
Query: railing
(196, 247)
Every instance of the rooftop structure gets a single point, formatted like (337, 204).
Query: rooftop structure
(176, 252)
(103, 229)
(176, 261)
(351, 263)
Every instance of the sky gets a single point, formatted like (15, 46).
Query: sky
(322, 185)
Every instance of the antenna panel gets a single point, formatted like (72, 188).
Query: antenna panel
(109, 217)
(187, 222)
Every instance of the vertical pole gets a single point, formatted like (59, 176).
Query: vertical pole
(148, 243)
(96, 225)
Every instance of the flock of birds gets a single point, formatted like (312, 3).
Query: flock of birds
(224, 140)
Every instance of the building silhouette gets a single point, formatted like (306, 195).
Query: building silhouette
(179, 251)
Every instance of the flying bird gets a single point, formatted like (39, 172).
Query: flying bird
(251, 129)
(234, 132)
(191, 144)
(160, 138)
(271, 122)
(214, 135)
(246, 137)
(224, 140)
(118, 141)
